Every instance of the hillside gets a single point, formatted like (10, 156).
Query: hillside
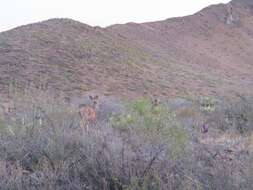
(208, 53)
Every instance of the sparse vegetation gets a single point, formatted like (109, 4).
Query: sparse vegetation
(50, 139)
(146, 147)
(235, 115)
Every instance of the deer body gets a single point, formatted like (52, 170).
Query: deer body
(88, 113)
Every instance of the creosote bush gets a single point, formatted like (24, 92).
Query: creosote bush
(153, 124)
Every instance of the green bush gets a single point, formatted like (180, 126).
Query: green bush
(156, 125)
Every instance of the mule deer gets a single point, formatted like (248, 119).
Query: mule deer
(155, 105)
(88, 113)
(7, 107)
(155, 102)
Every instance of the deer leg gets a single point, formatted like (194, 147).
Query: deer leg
(23, 120)
(87, 127)
(40, 121)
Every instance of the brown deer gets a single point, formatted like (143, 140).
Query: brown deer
(88, 113)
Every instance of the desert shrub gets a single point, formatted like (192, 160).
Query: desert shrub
(140, 106)
(144, 148)
(153, 124)
(214, 170)
(2, 124)
(236, 115)
(207, 104)
(57, 154)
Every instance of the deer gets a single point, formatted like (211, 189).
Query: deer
(7, 107)
(155, 104)
(88, 113)
(7, 111)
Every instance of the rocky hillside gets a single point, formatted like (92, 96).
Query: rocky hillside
(208, 53)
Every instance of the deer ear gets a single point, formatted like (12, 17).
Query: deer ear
(96, 97)
(91, 98)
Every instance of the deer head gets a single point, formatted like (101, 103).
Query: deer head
(94, 101)
(155, 102)
(88, 112)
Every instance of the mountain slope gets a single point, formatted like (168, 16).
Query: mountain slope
(208, 53)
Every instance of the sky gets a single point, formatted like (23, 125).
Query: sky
(102, 13)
